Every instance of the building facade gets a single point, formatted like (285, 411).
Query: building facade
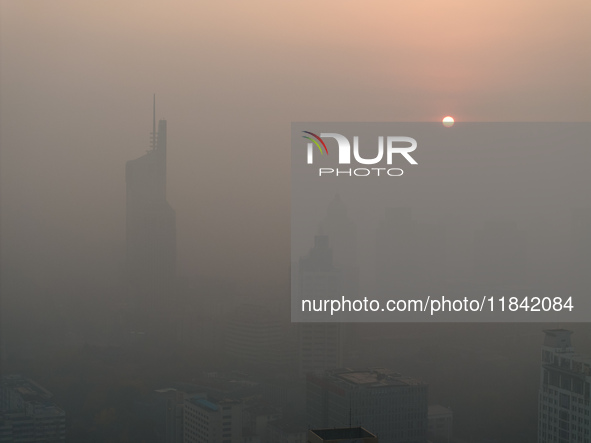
(27, 413)
(171, 404)
(440, 424)
(564, 412)
(207, 420)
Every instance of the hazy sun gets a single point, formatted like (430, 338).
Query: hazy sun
(448, 121)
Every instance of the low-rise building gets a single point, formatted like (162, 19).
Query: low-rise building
(210, 420)
(27, 413)
(440, 424)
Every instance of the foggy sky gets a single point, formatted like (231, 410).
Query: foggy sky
(77, 78)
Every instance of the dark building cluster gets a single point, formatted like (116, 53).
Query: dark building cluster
(28, 414)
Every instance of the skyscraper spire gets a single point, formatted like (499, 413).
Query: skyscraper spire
(154, 124)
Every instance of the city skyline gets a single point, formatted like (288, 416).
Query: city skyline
(153, 253)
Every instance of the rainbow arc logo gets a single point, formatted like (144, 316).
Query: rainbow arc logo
(316, 142)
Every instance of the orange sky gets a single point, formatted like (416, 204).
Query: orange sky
(504, 60)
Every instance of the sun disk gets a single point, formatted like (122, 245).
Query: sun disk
(448, 121)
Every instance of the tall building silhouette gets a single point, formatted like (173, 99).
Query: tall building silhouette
(150, 223)
(320, 344)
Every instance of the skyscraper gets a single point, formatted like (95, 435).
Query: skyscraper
(564, 413)
(150, 222)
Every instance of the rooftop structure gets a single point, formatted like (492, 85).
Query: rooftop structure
(392, 405)
(374, 378)
(335, 435)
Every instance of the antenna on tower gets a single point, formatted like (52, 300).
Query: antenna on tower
(154, 124)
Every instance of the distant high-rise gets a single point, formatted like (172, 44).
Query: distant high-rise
(150, 221)
(564, 413)
(320, 345)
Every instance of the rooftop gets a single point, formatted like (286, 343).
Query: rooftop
(204, 403)
(31, 394)
(374, 378)
(26, 388)
(557, 338)
(213, 404)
